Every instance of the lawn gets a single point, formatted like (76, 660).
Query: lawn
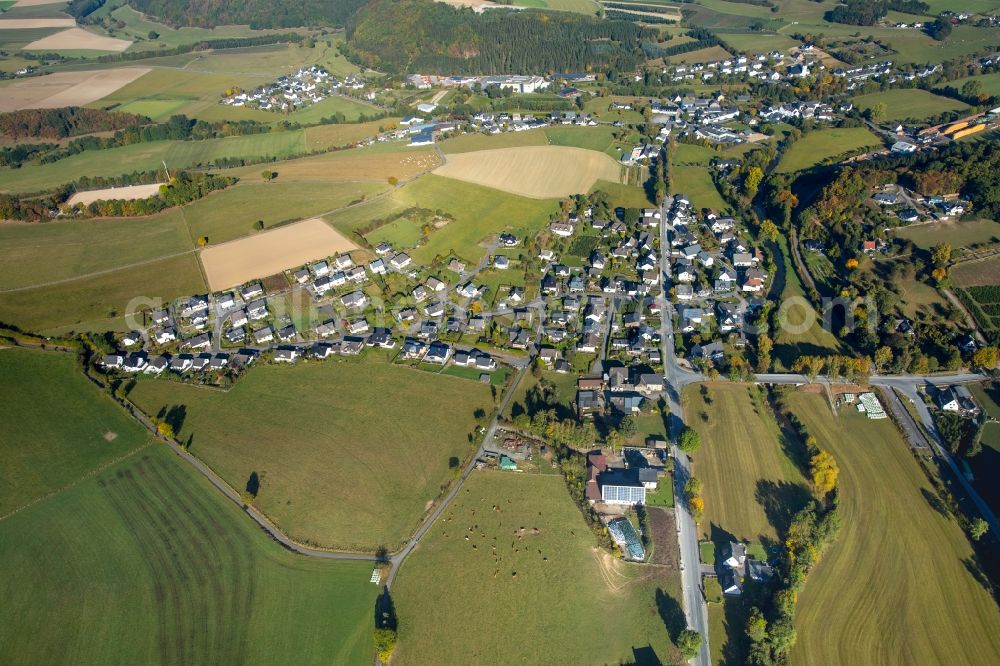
(539, 589)
(150, 157)
(145, 563)
(99, 303)
(751, 485)
(989, 83)
(599, 138)
(896, 587)
(232, 213)
(479, 212)
(57, 426)
(331, 473)
(40, 253)
(959, 234)
(464, 143)
(696, 184)
(820, 145)
(622, 195)
(905, 103)
(564, 383)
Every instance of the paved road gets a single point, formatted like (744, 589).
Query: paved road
(675, 378)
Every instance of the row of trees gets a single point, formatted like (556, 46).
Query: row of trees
(183, 188)
(63, 122)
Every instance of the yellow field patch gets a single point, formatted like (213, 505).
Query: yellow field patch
(352, 166)
(77, 39)
(27, 24)
(110, 193)
(271, 252)
(35, 3)
(66, 88)
(539, 172)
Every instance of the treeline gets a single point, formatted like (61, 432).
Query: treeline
(422, 35)
(79, 9)
(63, 122)
(183, 188)
(628, 16)
(868, 12)
(23, 152)
(703, 39)
(258, 14)
(177, 128)
(205, 45)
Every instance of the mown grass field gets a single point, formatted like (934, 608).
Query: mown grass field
(903, 103)
(150, 157)
(57, 426)
(696, 184)
(232, 213)
(896, 587)
(98, 303)
(820, 145)
(479, 212)
(599, 138)
(751, 485)
(145, 563)
(534, 596)
(40, 253)
(465, 143)
(331, 473)
(959, 234)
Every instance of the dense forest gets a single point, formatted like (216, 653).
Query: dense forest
(64, 122)
(870, 12)
(255, 13)
(422, 35)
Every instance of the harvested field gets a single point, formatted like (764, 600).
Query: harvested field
(271, 252)
(539, 172)
(27, 24)
(109, 193)
(66, 88)
(77, 39)
(35, 3)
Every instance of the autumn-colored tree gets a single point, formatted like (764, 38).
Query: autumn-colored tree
(941, 254)
(764, 346)
(752, 180)
(202, 241)
(392, 180)
(692, 487)
(940, 275)
(851, 264)
(696, 506)
(824, 472)
(883, 357)
(165, 429)
(769, 230)
(985, 358)
(978, 528)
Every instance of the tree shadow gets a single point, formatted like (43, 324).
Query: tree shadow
(936, 503)
(385, 611)
(643, 656)
(735, 619)
(253, 484)
(721, 538)
(175, 417)
(671, 613)
(781, 501)
(975, 567)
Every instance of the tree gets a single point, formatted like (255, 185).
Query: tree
(764, 346)
(392, 180)
(877, 112)
(824, 472)
(165, 430)
(769, 230)
(689, 643)
(202, 241)
(752, 180)
(692, 487)
(614, 440)
(269, 175)
(259, 225)
(385, 644)
(696, 506)
(883, 357)
(689, 441)
(628, 427)
(941, 254)
(756, 627)
(972, 88)
(153, 34)
(979, 528)
(985, 358)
